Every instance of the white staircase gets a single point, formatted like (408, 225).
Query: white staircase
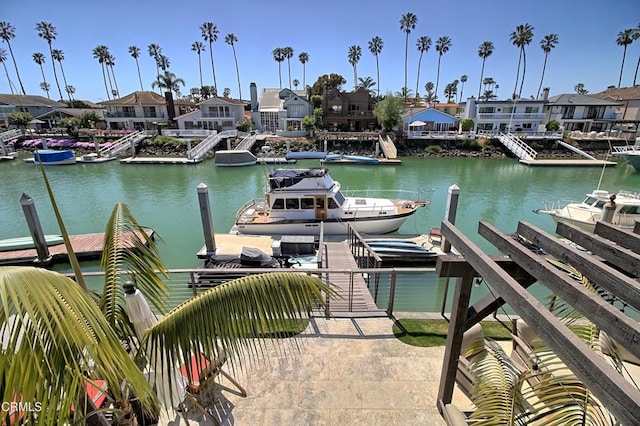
(7, 136)
(388, 147)
(517, 146)
(123, 144)
(247, 143)
(198, 152)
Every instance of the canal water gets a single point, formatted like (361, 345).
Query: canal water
(164, 197)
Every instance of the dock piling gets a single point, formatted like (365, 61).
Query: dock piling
(35, 228)
(207, 219)
(450, 213)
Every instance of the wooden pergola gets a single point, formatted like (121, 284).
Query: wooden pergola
(613, 264)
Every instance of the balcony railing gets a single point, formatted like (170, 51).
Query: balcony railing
(206, 114)
(122, 114)
(536, 116)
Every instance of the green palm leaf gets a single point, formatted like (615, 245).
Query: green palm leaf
(237, 317)
(141, 260)
(56, 340)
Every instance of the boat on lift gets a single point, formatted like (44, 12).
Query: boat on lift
(298, 201)
(53, 157)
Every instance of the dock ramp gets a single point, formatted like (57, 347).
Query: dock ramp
(388, 148)
(121, 145)
(10, 135)
(576, 150)
(517, 146)
(198, 152)
(247, 143)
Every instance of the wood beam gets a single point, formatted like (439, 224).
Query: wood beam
(636, 228)
(616, 393)
(615, 282)
(622, 237)
(616, 324)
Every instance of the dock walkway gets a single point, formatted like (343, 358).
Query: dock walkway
(338, 256)
(85, 246)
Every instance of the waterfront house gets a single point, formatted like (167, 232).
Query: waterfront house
(349, 111)
(142, 110)
(34, 105)
(628, 109)
(429, 123)
(582, 113)
(508, 115)
(279, 111)
(216, 113)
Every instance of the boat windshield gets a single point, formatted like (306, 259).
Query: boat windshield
(590, 200)
(339, 198)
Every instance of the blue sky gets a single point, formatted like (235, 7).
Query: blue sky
(586, 53)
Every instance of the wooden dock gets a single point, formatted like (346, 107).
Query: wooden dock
(570, 163)
(159, 160)
(85, 246)
(338, 256)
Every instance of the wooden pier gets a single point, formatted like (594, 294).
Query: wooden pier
(85, 246)
(338, 256)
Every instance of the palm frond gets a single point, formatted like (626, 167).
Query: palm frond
(141, 260)
(56, 341)
(237, 317)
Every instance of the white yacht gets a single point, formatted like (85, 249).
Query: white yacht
(588, 212)
(299, 200)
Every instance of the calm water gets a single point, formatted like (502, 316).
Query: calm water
(500, 191)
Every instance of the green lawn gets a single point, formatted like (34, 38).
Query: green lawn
(430, 332)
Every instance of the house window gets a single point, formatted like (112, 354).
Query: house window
(509, 110)
(527, 126)
(531, 110)
(149, 111)
(336, 108)
(486, 110)
(269, 121)
(128, 111)
(568, 111)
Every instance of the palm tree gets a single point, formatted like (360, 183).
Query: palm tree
(47, 31)
(304, 58)
(278, 56)
(155, 52)
(296, 83)
(521, 37)
(226, 92)
(367, 84)
(39, 59)
(451, 90)
(580, 89)
(231, 40)
(110, 63)
(134, 51)
(423, 44)
(354, 54)
(547, 43)
(3, 59)
(375, 47)
(101, 53)
(407, 23)
(169, 82)
(198, 47)
(44, 86)
(210, 34)
(463, 80)
(442, 46)
(430, 95)
(58, 55)
(484, 51)
(8, 32)
(636, 36)
(288, 53)
(624, 39)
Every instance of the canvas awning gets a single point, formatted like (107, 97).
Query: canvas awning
(417, 124)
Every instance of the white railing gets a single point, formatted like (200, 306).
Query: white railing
(123, 143)
(246, 143)
(199, 151)
(518, 147)
(188, 133)
(10, 134)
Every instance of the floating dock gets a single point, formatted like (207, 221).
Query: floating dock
(158, 160)
(571, 163)
(85, 246)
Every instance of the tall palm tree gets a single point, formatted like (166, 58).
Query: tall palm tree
(110, 63)
(624, 39)
(3, 59)
(547, 43)
(288, 53)
(430, 95)
(47, 31)
(164, 63)
(354, 54)
(198, 47)
(169, 82)
(407, 23)
(58, 55)
(375, 47)
(296, 83)
(155, 52)
(231, 40)
(304, 58)
(210, 34)
(423, 44)
(463, 80)
(100, 53)
(442, 46)
(521, 37)
(7, 33)
(45, 87)
(484, 51)
(278, 56)
(367, 83)
(134, 51)
(636, 36)
(39, 59)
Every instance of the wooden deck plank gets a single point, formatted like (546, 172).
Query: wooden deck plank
(85, 246)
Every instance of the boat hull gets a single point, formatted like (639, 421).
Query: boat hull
(51, 157)
(634, 160)
(384, 225)
(235, 158)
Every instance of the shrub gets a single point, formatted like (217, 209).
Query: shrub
(434, 149)
(552, 126)
(467, 124)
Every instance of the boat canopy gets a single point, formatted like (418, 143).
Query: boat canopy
(286, 178)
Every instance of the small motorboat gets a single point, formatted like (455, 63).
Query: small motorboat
(340, 158)
(53, 157)
(400, 250)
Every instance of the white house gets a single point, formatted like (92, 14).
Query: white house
(279, 111)
(517, 115)
(582, 113)
(214, 114)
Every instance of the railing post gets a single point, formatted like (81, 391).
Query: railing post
(392, 293)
